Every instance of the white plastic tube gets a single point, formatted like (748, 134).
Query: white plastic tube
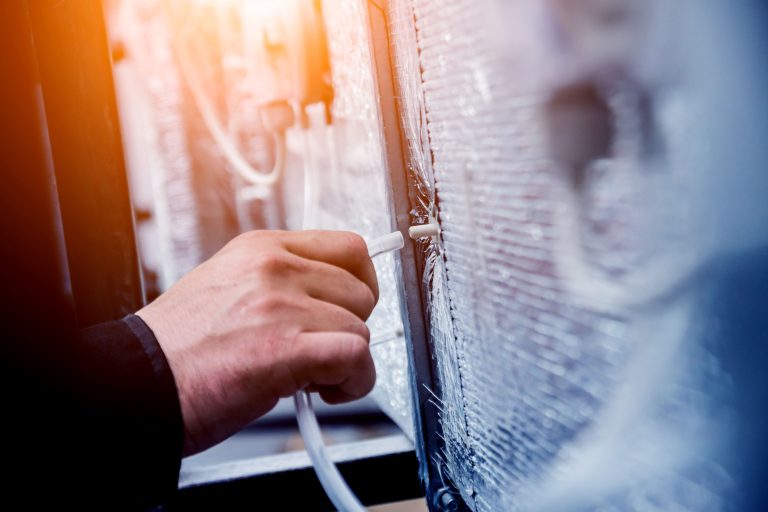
(335, 487)
(424, 230)
(223, 140)
(386, 243)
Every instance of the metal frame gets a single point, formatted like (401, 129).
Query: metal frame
(86, 151)
(33, 262)
(410, 263)
(441, 496)
(378, 471)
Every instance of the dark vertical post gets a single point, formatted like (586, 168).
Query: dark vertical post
(33, 273)
(75, 70)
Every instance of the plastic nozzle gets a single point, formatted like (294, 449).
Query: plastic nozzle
(386, 243)
(431, 229)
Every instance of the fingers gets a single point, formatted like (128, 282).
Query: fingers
(338, 364)
(323, 285)
(339, 248)
(323, 316)
(337, 286)
(334, 395)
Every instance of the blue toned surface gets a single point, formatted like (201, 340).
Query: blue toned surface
(598, 171)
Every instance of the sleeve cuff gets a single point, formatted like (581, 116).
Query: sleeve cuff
(170, 427)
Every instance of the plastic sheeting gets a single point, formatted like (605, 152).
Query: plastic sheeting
(349, 188)
(576, 363)
(177, 173)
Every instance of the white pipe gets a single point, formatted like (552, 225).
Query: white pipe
(333, 483)
(223, 140)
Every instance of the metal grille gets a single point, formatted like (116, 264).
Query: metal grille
(573, 366)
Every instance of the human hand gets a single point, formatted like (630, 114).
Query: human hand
(270, 314)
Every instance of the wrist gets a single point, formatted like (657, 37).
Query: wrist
(168, 337)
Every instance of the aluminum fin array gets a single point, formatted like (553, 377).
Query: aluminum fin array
(563, 148)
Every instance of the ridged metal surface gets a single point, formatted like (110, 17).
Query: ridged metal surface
(575, 367)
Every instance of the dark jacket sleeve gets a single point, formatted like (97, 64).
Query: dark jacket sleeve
(99, 427)
(132, 410)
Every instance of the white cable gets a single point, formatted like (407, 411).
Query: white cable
(308, 219)
(228, 147)
(333, 483)
(335, 487)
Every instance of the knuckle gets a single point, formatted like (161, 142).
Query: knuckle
(375, 290)
(355, 246)
(273, 262)
(365, 333)
(246, 243)
(271, 303)
(255, 236)
(348, 322)
(260, 239)
(367, 299)
(360, 328)
(356, 350)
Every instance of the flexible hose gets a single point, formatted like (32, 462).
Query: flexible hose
(223, 140)
(333, 483)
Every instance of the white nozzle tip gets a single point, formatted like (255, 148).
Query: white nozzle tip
(386, 243)
(416, 232)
